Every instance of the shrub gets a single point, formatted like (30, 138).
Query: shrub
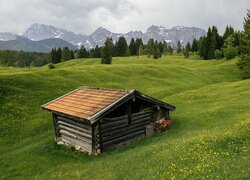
(32, 64)
(51, 66)
(218, 54)
(230, 52)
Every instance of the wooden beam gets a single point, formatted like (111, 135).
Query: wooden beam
(75, 127)
(141, 113)
(106, 120)
(123, 133)
(75, 131)
(115, 123)
(124, 138)
(70, 121)
(85, 140)
(122, 143)
(55, 126)
(140, 117)
(117, 130)
(74, 142)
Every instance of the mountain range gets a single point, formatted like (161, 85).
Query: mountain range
(41, 37)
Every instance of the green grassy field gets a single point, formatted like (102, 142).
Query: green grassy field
(209, 139)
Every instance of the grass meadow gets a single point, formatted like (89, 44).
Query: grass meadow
(209, 138)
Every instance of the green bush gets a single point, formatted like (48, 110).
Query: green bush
(51, 66)
(230, 52)
(218, 54)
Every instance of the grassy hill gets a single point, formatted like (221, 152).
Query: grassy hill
(209, 139)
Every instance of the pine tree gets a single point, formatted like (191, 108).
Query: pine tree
(53, 58)
(150, 46)
(228, 32)
(215, 41)
(170, 50)
(97, 52)
(58, 55)
(208, 45)
(127, 53)
(82, 52)
(66, 55)
(160, 46)
(194, 46)
(186, 50)
(244, 62)
(211, 44)
(132, 47)
(138, 43)
(165, 48)
(113, 47)
(106, 52)
(72, 55)
(140, 52)
(179, 48)
(155, 52)
(121, 46)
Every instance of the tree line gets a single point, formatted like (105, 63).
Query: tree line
(120, 48)
(231, 44)
(213, 45)
(23, 59)
(134, 48)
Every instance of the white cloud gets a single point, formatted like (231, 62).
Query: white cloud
(121, 15)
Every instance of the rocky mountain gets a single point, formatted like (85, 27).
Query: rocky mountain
(24, 44)
(6, 36)
(98, 37)
(37, 32)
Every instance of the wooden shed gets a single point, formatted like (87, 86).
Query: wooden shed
(96, 119)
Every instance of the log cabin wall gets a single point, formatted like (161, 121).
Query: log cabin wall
(74, 133)
(160, 113)
(121, 129)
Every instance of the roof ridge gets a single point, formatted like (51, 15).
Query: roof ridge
(104, 88)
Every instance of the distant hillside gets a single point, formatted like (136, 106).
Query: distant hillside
(24, 44)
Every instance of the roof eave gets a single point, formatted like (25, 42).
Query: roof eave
(95, 117)
(156, 101)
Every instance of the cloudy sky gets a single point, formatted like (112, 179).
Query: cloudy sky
(84, 16)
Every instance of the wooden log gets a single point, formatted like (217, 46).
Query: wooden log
(141, 120)
(116, 123)
(55, 127)
(96, 147)
(66, 133)
(75, 127)
(70, 121)
(111, 132)
(75, 131)
(140, 117)
(122, 143)
(112, 128)
(123, 133)
(123, 119)
(74, 142)
(124, 138)
(114, 119)
(140, 113)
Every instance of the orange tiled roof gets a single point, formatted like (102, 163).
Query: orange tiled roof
(85, 102)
